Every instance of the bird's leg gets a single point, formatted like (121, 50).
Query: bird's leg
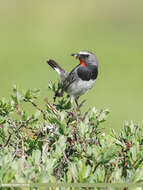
(79, 105)
(76, 101)
(73, 109)
(71, 100)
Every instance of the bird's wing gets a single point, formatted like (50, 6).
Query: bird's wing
(70, 78)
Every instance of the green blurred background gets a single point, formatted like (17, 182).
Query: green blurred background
(33, 31)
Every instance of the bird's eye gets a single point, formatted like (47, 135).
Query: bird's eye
(84, 55)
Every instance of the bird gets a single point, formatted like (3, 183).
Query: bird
(81, 79)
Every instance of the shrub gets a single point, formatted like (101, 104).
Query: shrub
(59, 144)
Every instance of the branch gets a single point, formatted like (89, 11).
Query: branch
(38, 108)
(22, 125)
(68, 162)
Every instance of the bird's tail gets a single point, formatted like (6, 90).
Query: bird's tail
(63, 74)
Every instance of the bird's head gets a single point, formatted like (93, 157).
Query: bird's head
(86, 57)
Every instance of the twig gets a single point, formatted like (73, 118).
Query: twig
(10, 134)
(116, 166)
(23, 148)
(18, 110)
(52, 108)
(68, 162)
(96, 166)
(8, 139)
(58, 170)
(22, 125)
(16, 149)
(38, 108)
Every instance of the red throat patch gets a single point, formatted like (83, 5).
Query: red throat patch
(82, 62)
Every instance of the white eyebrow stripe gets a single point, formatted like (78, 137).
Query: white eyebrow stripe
(84, 53)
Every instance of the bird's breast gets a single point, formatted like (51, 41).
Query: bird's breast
(80, 87)
(88, 72)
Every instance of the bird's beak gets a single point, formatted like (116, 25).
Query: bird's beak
(75, 55)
